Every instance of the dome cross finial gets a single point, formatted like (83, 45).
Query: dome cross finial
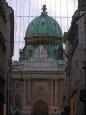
(44, 9)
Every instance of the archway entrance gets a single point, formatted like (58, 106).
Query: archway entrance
(40, 108)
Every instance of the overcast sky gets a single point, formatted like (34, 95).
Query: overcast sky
(26, 10)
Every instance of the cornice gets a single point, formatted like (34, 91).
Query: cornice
(38, 72)
(39, 75)
(43, 39)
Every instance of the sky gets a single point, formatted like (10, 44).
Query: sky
(26, 10)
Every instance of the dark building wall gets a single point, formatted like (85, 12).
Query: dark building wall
(6, 49)
(82, 4)
(76, 56)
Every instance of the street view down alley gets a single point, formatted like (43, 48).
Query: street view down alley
(42, 57)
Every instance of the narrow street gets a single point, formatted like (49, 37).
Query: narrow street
(42, 57)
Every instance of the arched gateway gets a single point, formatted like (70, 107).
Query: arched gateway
(40, 108)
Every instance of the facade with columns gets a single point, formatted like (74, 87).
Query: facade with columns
(38, 78)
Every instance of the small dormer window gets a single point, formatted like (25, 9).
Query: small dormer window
(55, 24)
(42, 23)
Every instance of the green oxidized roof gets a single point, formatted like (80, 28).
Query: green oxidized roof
(43, 26)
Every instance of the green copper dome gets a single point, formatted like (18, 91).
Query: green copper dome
(43, 26)
(43, 43)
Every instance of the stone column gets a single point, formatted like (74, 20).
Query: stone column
(56, 92)
(51, 92)
(28, 91)
(24, 92)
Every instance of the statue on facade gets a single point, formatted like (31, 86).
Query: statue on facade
(41, 51)
(25, 54)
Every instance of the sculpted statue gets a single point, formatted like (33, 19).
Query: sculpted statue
(41, 51)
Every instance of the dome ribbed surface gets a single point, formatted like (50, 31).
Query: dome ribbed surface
(43, 26)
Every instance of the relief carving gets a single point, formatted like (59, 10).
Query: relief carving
(39, 90)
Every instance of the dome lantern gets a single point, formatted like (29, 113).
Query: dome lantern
(44, 9)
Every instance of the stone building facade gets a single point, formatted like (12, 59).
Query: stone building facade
(38, 78)
(75, 40)
(6, 49)
(36, 86)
